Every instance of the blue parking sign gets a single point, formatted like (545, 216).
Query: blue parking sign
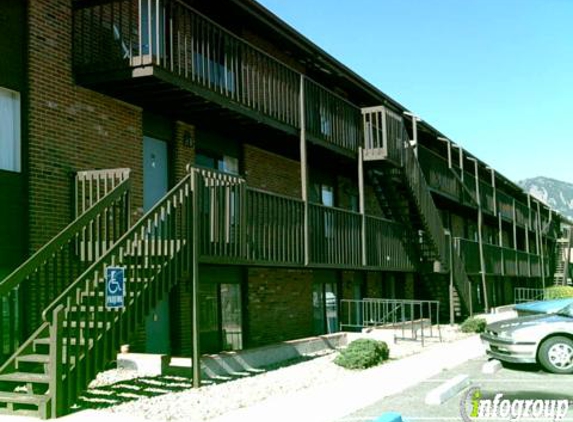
(114, 287)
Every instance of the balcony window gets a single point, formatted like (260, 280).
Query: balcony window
(10, 142)
(215, 72)
(152, 24)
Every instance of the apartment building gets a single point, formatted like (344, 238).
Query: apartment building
(246, 184)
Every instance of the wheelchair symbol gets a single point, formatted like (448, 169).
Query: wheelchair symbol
(114, 286)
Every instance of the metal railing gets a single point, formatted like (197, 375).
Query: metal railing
(526, 294)
(50, 270)
(410, 319)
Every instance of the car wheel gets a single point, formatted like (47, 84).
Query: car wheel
(556, 355)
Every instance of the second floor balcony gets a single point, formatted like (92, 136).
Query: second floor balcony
(162, 54)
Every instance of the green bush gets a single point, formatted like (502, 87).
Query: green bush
(558, 292)
(362, 354)
(473, 325)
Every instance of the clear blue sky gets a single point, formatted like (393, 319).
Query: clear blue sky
(495, 76)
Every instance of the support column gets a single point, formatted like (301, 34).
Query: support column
(304, 172)
(480, 238)
(540, 250)
(361, 201)
(196, 358)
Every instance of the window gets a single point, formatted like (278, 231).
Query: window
(10, 144)
(215, 72)
(223, 163)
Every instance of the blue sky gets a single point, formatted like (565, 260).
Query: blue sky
(495, 76)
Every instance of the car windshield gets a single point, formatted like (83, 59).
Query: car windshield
(566, 311)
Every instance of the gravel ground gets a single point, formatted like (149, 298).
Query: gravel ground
(171, 398)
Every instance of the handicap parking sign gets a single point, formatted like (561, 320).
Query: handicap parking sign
(114, 287)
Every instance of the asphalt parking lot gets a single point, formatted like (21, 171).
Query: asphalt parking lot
(515, 382)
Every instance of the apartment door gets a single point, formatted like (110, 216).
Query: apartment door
(325, 302)
(155, 183)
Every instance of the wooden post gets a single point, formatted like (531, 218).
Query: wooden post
(196, 358)
(494, 192)
(361, 201)
(540, 250)
(480, 239)
(451, 264)
(514, 217)
(57, 393)
(304, 172)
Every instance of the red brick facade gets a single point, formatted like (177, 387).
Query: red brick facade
(271, 172)
(70, 128)
(279, 303)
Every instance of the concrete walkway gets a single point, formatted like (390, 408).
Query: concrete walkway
(332, 402)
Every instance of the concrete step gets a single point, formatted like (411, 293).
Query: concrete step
(25, 377)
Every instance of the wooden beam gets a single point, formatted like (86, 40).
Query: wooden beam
(304, 171)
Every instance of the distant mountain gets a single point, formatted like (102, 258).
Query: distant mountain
(555, 193)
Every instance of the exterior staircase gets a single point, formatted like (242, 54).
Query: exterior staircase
(562, 258)
(403, 194)
(76, 335)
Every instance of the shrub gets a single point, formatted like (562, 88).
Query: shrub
(473, 325)
(362, 354)
(558, 292)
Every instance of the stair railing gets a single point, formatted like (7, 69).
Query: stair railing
(154, 254)
(425, 203)
(460, 276)
(48, 271)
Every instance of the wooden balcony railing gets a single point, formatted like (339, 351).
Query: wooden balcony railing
(384, 134)
(500, 261)
(275, 227)
(385, 248)
(335, 236)
(169, 36)
(331, 118)
(242, 225)
(438, 175)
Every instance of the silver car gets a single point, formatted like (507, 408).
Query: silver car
(546, 339)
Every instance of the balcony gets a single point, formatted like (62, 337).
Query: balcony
(163, 55)
(500, 261)
(442, 180)
(242, 225)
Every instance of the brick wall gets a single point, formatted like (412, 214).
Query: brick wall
(70, 128)
(271, 172)
(182, 154)
(279, 304)
(374, 286)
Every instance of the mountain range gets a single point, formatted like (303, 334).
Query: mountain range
(555, 193)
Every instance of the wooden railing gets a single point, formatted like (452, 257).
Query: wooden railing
(50, 270)
(384, 246)
(275, 228)
(222, 216)
(459, 274)
(499, 260)
(154, 256)
(425, 202)
(331, 118)
(93, 185)
(384, 134)
(438, 175)
(335, 236)
(171, 36)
